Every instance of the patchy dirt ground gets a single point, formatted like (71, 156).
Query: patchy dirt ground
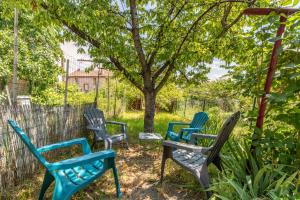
(139, 171)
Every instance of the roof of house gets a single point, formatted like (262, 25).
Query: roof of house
(94, 73)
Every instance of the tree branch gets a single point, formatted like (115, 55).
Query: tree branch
(136, 34)
(122, 15)
(79, 32)
(178, 12)
(165, 78)
(177, 52)
(195, 23)
(185, 76)
(172, 60)
(160, 70)
(83, 35)
(122, 69)
(160, 32)
(227, 10)
(228, 26)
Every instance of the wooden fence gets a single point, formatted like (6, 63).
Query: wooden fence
(44, 125)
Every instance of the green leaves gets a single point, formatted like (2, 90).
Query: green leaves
(38, 48)
(243, 180)
(290, 2)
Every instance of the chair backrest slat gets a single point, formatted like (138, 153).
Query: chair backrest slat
(199, 120)
(95, 117)
(27, 141)
(223, 136)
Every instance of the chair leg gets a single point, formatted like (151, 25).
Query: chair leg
(119, 193)
(126, 140)
(163, 163)
(48, 179)
(94, 142)
(93, 145)
(203, 178)
(108, 143)
(61, 193)
(218, 162)
(166, 136)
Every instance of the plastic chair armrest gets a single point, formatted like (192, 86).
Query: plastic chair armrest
(205, 136)
(122, 124)
(172, 124)
(116, 123)
(188, 147)
(82, 141)
(190, 129)
(82, 160)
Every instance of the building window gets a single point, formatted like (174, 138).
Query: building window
(76, 80)
(86, 87)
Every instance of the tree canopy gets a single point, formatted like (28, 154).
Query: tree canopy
(38, 47)
(148, 41)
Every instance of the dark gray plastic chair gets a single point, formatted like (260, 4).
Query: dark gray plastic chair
(195, 158)
(97, 124)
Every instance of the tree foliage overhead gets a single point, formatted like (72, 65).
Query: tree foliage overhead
(148, 41)
(158, 37)
(38, 48)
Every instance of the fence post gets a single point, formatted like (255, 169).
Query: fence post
(108, 95)
(8, 95)
(97, 85)
(14, 85)
(203, 105)
(115, 98)
(1, 139)
(185, 102)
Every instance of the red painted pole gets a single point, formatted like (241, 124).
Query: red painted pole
(271, 70)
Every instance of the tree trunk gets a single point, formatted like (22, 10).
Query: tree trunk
(150, 98)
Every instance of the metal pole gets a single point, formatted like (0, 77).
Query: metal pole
(271, 70)
(66, 84)
(14, 85)
(268, 84)
(108, 94)
(97, 88)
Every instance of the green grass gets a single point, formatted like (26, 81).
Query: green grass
(135, 123)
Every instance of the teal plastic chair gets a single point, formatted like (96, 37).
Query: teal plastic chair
(185, 134)
(73, 174)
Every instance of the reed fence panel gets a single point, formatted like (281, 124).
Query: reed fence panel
(44, 125)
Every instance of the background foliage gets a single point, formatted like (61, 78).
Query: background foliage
(38, 49)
